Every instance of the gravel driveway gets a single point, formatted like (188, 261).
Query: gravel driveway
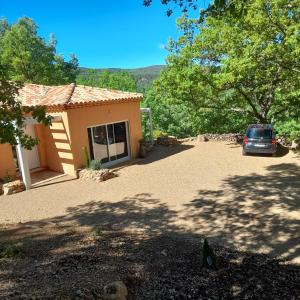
(251, 203)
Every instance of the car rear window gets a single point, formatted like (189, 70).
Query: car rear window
(259, 133)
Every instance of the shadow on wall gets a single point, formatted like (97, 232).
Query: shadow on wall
(59, 153)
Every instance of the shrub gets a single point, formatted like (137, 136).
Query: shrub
(16, 249)
(97, 231)
(290, 129)
(7, 178)
(86, 156)
(158, 133)
(95, 164)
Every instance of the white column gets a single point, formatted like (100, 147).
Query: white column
(23, 164)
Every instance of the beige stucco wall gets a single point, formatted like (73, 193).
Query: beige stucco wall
(6, 161)
(82, 118)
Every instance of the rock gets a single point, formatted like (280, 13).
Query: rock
(96, 175)
(168, 141)
(202, 138)
(13, 187)
(296, 144)
(115, 291)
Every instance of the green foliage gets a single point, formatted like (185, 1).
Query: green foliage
(86, 156)
(209, 259)
(158, 133)
(95, 164)
(7, 178)
(183, 119)
(143, 77)
(97, 231)
(15, 250)
(28, 58)
(112, 80)
(11, 114)
(241, 63)
(289, 129)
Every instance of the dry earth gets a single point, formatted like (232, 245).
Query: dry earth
(170, 200)
(208, 188)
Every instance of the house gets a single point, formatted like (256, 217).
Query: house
(106, 122)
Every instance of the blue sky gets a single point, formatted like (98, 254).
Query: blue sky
(112, 33)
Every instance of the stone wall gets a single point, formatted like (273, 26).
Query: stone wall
(226, 137)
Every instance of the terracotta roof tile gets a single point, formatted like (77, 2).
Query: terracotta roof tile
(68, 95)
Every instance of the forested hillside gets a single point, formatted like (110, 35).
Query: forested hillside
(143, 76)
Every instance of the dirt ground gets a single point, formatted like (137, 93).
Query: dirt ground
(171, 200)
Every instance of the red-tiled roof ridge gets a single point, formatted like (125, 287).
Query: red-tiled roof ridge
(71, 92)
(71, 95)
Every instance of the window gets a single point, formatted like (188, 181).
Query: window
(108, 142)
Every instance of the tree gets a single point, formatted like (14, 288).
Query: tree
(244, 60)
(216, 7)
(12, 114)
(28, 58)
(120, 80)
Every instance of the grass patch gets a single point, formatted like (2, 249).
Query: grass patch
(15, 250)
(97, 231)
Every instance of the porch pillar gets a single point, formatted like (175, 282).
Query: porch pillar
(23, 164)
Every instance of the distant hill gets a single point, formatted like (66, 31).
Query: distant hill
(144, 76)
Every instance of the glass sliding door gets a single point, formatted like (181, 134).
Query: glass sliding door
(120, 131)
(100, 144)
(109, 142)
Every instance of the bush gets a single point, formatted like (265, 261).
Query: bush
(95, 164)
(7, 178)
(86, 156)
(97, 231)
(158, 133)
(290, 129)
(15, 250)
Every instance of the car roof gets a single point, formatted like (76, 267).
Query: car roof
(262, 126)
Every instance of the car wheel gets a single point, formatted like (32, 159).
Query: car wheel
(245, 153)
(274, 155)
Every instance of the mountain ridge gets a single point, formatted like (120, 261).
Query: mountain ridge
(144, 76)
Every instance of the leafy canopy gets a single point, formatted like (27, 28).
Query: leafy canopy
(243, 60)
(28, 58)
(12, 114)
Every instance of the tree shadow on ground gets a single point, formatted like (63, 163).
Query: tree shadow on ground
(162, 152)
(254, 212)
(155, 250)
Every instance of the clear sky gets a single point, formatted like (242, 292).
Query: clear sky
(102, 34)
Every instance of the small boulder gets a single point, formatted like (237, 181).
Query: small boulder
(13, 187)
(296, 144)
(116, 290)
(202, 138)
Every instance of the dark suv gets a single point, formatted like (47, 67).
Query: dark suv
(260, 138)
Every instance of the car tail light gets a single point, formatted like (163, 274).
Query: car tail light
(246, 141)
(274, 142)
